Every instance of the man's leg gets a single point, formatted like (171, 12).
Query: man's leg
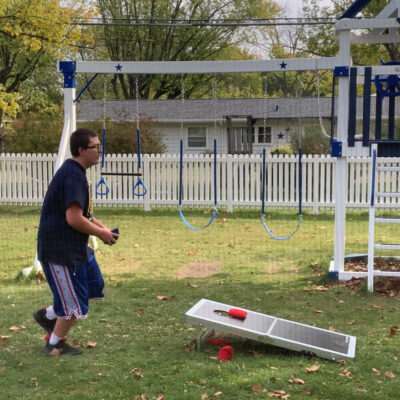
(63, 326)
(70, 295)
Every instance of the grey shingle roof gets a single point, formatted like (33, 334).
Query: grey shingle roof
(173, 110)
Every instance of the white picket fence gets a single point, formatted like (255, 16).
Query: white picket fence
(24, 179)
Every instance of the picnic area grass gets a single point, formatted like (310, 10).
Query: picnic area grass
(136, 344)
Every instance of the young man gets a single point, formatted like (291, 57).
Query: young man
(65, 225)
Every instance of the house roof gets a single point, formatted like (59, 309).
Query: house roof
(204, 110)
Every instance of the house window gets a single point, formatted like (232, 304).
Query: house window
(197, 137)
(242, 133)
(264, 136)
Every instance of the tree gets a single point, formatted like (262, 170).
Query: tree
(166, 43)
(36, 132)
(32, 34)
(320, 40)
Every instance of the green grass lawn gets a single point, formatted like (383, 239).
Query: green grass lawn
(142, 349)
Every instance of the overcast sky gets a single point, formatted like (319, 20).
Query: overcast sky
(294, 7)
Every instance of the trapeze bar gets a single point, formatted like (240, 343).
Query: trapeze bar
(120, 174)
(201, 67)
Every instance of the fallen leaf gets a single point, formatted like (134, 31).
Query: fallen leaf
(361, 389)
(91, 345)
(389, 374)
(161, 298)
(318, 311)
(296, 380)
(136, 373)
(191, 253)
(393, 330)
(278, 394)
(352, 322)
(306, 391)
(313, 368)
(204, 396)
(14, 328)
(258, 389)
(135, 246)
(332, 329)
(221, 220)
(346, 373)
(321, 288)
(376, 371)
(140, 397)
(160, 397)
(217, 394)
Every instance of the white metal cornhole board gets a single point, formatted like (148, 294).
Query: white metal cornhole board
(275, 331)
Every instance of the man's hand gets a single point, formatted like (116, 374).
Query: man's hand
(77, 221)
(108, 237)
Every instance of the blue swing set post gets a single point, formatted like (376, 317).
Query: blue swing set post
(180, 189)
(300, 220)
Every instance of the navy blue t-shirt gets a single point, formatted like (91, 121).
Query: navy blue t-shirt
(58, 242)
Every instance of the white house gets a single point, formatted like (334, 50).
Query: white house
(198, 122)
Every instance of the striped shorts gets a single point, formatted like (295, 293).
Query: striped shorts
(72, 287)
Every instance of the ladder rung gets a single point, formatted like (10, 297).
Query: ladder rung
(387, 246)
(388, 169)
(386, 273)
(388, 194)
(388, 220)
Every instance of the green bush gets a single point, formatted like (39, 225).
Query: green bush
(282, 150)
(35, 132)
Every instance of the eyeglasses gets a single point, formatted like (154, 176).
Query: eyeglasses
(97, 146)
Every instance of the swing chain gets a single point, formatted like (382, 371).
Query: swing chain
(265, 87)
(300, 112)
(104, 102)
(137, 102)
(214, 97)
(183, 102)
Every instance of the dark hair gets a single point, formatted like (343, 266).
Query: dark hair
(80, 138)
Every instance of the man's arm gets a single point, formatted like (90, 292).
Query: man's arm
(77, 221)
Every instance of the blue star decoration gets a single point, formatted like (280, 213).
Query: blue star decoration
(118, 67)
(280, 135)
(283, 65)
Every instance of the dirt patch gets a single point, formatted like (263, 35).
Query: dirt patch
(386, 286)
(199, 269)
(380, 263)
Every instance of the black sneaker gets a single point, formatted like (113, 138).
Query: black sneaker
(61, 348)
(43, 321)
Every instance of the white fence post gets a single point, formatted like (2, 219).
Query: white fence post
(146, 175)
(229, 185)
(316, 184)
